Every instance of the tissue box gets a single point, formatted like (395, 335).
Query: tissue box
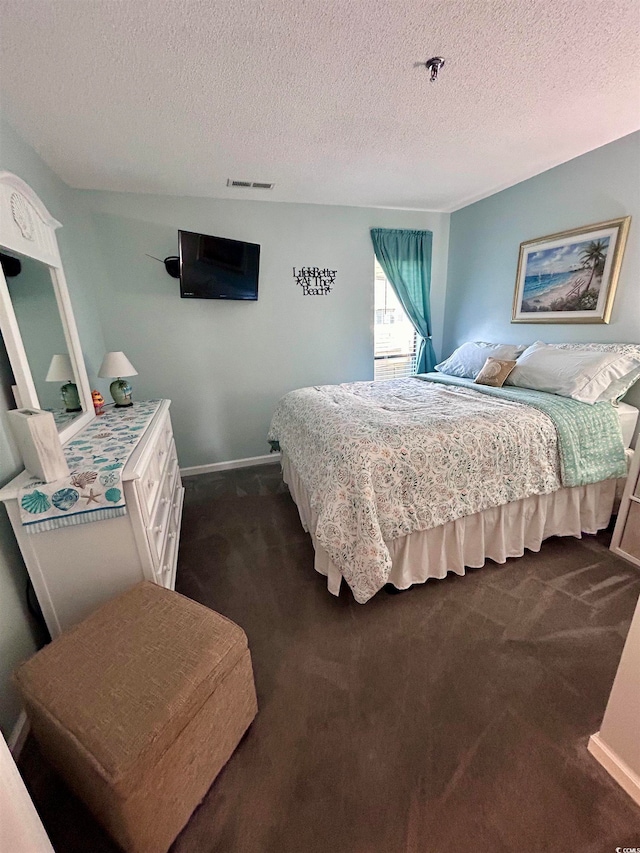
(37, 438)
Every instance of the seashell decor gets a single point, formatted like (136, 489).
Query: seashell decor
(64, 499)
(35, 502)
(83, 478)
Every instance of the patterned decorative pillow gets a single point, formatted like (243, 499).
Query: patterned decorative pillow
(494, 372)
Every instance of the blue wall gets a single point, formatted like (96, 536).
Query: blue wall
(18, 633)
(485, 238)
(225, 365)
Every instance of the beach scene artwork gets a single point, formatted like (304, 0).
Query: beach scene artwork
(565, 279)
(569, 277)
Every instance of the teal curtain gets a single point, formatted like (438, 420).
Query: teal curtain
(405, 257)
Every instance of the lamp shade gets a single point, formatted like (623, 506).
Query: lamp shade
(116, 364)
(60, 369)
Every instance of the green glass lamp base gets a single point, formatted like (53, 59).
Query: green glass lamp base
(121, 393)
(70, 397)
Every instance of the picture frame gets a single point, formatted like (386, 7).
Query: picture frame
(571, 276)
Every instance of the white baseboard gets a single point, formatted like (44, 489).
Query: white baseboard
(18, 735)
(615, 766)
(232, 463)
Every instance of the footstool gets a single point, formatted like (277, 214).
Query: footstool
(139, 707)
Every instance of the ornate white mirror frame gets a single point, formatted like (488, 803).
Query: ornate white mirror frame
(28, 229)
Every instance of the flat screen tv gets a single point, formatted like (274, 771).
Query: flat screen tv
(217, 268)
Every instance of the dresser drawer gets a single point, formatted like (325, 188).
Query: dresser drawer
(166, 435)
(178, 494)
(158, 526)
(166, 573)
(153, 474)
(149, 484)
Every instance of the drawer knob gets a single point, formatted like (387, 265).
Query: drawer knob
(161, 452)
(175, 505)
(158, 528)
(151, 483)
(172, 536)
(164, 501)
(165, 569)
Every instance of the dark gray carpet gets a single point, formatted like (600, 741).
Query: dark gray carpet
(454, 716)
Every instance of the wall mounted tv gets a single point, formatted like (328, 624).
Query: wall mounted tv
(217, 268)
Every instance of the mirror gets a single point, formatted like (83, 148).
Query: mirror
(34, 304)
(36, 318)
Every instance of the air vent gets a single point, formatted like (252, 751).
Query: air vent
(256, 185)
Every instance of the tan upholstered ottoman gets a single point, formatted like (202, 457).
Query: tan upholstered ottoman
(139, 707)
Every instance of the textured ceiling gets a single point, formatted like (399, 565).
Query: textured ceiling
(320, 96)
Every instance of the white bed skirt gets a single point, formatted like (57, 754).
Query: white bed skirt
(496, 533)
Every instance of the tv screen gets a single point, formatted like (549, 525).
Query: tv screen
(217, 268)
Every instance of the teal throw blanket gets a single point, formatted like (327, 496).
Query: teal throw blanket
(589, 436)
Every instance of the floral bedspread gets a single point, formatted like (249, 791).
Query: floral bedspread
(380, 460)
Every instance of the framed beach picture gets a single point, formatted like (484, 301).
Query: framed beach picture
(570, 277)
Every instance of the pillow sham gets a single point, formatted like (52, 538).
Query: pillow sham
(618, 387)
(587, 375)
(494, 372)
(468, 359)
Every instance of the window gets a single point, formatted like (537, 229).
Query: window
(394, 335)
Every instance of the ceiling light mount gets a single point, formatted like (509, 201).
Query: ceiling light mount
(434, 65)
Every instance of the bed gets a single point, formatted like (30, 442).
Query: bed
(405, 480)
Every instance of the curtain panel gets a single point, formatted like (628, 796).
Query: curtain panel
(405, 257)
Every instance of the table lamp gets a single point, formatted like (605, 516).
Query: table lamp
(118, 365)
(59, 371)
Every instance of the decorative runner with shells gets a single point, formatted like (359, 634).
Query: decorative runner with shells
(96, 457)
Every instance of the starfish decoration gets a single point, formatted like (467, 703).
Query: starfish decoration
(91, 498)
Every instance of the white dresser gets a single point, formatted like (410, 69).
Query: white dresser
(74, 569)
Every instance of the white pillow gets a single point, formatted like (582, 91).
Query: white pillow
(468, 360)
(587, 375)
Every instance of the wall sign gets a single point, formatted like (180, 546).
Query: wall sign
(314, 281)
